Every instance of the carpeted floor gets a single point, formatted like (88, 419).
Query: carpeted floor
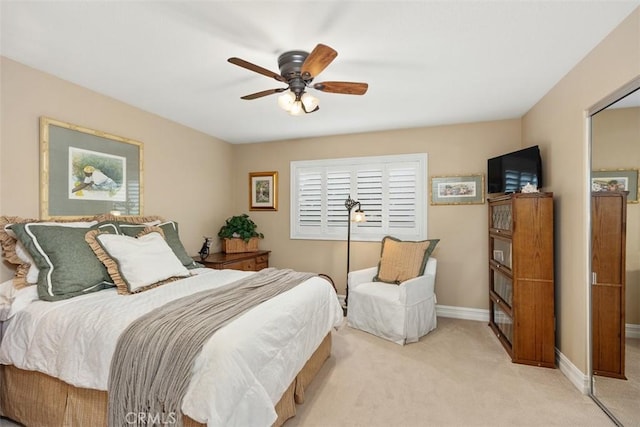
(458, 375)
(622, 397)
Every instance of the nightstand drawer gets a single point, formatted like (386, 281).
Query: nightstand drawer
(246, 265)
(262, 262)
(246, 261)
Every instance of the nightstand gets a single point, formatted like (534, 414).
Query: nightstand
(247, 261)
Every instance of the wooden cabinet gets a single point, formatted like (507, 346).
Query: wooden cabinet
(608, 243)
(247, 261)
(521, 276)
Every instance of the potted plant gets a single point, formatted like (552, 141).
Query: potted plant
(238, 234)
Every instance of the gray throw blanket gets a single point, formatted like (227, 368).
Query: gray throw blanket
(150, 369)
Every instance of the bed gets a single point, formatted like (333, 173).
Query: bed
(55, 355)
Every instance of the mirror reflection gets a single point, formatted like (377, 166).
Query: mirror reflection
(615, 258)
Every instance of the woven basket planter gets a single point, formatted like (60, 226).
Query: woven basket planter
(233, 246)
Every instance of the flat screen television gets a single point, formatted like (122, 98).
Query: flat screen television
(512, 171)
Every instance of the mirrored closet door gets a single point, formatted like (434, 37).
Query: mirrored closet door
(615, 255)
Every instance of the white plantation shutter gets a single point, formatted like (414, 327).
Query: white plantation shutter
(515, 180)
(369, 192)
(390, 189)
(310, 198)
(402, 198)
(338, 185)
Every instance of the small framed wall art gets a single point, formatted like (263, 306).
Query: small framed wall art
(616, 180)
(263, 191)
(457, 190)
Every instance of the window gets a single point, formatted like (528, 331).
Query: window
(390, 189)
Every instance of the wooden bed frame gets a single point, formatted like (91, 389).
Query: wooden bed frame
(33, 398)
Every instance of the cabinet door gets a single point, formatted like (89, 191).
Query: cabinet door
(533, 238)
(503, 323)
(500, 251)
(501, 286)
(608, 240)
(534, 318)
(500, 218)
(608, 342)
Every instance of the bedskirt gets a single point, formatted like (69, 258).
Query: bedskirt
(35, 399)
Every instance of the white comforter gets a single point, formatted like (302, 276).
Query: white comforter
(241, 372)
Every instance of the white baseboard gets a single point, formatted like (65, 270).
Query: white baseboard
(578, 378)
(573, 374)
(632, 331)
(568, 369)
(464, 313)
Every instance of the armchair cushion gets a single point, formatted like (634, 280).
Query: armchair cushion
(403, 260)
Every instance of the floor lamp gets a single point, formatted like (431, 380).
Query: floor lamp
(357, 217)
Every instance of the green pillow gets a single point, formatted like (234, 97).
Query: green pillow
(171, 235)
(66, 263)
(107, 227)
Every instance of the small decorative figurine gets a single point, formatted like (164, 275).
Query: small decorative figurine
(204, 251)
(529, 188)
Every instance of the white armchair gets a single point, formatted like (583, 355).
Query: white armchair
(400, 313)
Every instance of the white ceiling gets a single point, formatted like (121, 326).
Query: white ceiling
(427, 62)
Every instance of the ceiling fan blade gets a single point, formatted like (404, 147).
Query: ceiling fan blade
(347, 88)
(263, 93)
(256, 68)
(319, 58)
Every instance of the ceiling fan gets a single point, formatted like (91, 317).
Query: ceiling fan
(298, 69)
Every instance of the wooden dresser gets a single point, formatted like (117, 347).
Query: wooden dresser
(521, 276)
(246, 261)
(608, 263)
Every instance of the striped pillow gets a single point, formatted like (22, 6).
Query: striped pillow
(403, 260)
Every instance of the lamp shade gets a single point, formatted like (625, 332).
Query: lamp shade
(358, 216)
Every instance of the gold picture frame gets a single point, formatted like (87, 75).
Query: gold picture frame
(457, 190)
(85, 172)
(617, 180)
(263, 191)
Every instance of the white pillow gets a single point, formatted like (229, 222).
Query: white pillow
(141, 262)
(25, 256)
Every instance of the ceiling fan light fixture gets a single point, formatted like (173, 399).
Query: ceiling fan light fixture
(309, 101)
(298, 69)
(297, 106)
(297, 109)
(286, 100)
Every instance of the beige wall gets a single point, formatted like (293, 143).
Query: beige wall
(616, 145)
(183, 168)
(558, 124)
(462, 278)
(188, 177)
